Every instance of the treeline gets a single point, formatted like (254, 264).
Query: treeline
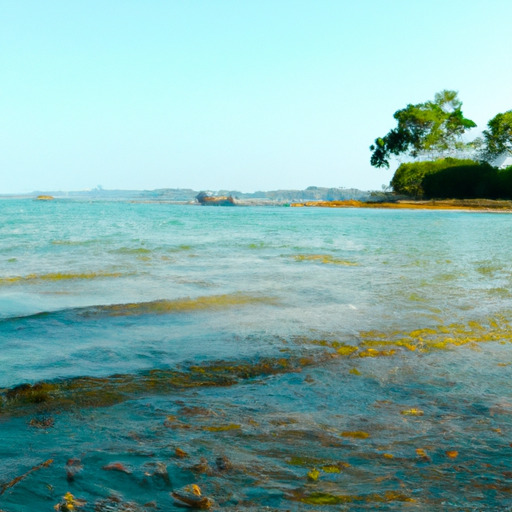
(314, 194)
(434, 129)
(276, 196)
(453, 178)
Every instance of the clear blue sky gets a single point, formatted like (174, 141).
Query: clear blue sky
(231, 94)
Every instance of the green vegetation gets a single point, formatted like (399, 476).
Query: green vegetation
(409, 177)
(49, 396)
(453, 178)
(469, 182)
(434, 129)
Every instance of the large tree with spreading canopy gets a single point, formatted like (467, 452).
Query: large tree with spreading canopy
(431, 127)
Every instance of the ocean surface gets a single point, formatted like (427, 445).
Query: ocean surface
(282, 359)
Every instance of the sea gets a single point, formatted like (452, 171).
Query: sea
(253, 358)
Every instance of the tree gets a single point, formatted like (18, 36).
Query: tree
(433, 126)
(498, 137)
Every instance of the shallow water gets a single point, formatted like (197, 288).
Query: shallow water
(341, 359)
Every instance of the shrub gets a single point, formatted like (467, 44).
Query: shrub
(464, 182)
(409, 177)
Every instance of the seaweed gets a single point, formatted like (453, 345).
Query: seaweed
(325, 498)
(18, 479)
(43, 397)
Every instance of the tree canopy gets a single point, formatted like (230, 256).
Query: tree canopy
(498, 136)
(433, 126)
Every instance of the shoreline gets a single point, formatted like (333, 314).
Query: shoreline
(484, 205)
(469, 205)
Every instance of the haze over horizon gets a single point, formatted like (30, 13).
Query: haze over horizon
(230, 95)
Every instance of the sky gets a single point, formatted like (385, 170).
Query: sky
(232, 94)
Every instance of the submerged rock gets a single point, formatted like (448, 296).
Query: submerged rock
(181, 454)
(157, 472)
(73, 467)
(117, 466)
(42, 423)
(202, 467)
(115, 503)
(223, 463)
(191, 495)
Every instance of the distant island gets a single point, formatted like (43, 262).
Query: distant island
(273, 197)
(189, 196)
(321, 197)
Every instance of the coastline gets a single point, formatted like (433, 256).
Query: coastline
(483, 205)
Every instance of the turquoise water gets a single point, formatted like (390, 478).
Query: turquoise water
(368, 349)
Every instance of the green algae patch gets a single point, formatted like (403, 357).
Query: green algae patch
(356, 434)
(412, 412)
(325, 259)
(488, 268)
(319, 464)
(346, 350)
(371, 352)
(106, 391)
(326, 498)
(31, 394)
(443, 337)
(58, 276)
(341, 348)
(313, 475)
(160, 307)
(376, 344)
(223, 428)
(331, 468)
(132, 250)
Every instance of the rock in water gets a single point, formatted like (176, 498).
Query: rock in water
(73, 467)
(191, 495)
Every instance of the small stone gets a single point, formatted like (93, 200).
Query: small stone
(191, 495)
(202, 466)
(158, 472)
(117, 466)
(182, 454)
(42, 423)
(223, 463)
(73, 467)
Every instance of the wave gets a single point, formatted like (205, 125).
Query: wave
(178, 305)
(156, 307)
(86, 391)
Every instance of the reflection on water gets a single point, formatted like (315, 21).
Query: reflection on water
(278, 359)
